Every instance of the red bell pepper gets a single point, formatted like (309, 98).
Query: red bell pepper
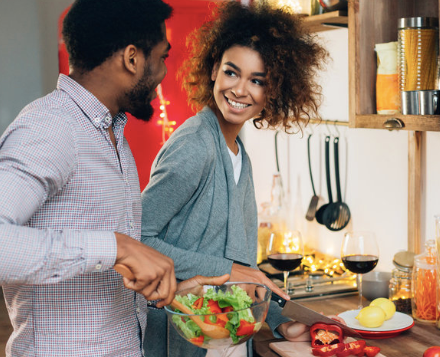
(228, 309)
(323, 334)
(327, 350)
(213, 306)
(198, 341)
(245, 328)
(198, 304)
(352, 348)
(371, 351)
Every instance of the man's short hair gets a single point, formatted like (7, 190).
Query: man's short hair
(93, 30)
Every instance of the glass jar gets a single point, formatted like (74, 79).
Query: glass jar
(400, 289)
(424, 286)
(417, 53)
(437, 235)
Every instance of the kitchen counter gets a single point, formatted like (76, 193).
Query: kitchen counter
(410, 343)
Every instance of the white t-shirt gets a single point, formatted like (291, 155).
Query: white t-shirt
(236, 162)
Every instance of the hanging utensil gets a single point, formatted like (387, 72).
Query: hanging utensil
(320, 212)
(337, 215)
(310, 215)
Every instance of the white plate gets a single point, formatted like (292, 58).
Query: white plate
(399, 321)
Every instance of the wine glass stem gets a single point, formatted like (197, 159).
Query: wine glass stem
(359, 284)
(286, 275)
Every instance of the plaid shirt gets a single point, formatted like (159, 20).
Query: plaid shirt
(64, 191)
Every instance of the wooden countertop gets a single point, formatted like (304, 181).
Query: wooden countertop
(410, 343)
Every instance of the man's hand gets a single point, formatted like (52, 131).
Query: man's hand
(244, 273)
(152, 272)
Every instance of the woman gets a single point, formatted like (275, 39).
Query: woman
(199, 207)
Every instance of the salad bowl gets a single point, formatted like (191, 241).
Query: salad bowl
(236, 309)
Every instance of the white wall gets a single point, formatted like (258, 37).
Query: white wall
(373, 165)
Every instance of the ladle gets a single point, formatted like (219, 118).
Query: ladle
(321, 211)
(337, 215)
(213, 331)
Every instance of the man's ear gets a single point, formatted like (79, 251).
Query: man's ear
(215, 71)
(130, 57)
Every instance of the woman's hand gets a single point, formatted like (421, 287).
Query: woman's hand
(243, 273)
(298, 332)
(200, 280)
(294, 331)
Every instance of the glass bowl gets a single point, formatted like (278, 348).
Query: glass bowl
(238, 307)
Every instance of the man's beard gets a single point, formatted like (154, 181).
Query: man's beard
(140, 96)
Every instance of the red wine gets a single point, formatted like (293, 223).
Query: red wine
(360, 264)
(285, 261)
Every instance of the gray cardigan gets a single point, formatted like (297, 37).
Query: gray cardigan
(195, 213)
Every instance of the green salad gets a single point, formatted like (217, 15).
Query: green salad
(238, 317)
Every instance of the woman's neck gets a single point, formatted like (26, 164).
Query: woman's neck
(229, 131)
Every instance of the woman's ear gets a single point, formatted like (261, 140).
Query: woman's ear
(214, 71)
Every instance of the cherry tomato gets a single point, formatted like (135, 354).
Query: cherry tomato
(433, 351)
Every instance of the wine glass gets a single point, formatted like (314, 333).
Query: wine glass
(360, 254)
(285, 252)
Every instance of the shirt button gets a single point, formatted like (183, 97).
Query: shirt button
(138, 310)
(97, 120)
(131, 224)
(98, 266)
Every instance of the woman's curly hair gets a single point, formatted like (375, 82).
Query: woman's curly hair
(290, 55)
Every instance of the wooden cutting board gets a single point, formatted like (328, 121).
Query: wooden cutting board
(299, 349)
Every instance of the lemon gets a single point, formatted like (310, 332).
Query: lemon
(386, 305)
(371, 316)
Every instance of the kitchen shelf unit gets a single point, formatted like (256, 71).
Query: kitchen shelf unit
(371, 22)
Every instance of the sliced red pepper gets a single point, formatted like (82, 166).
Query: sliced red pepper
(220, 320)
(198, 304)
(371, 351)
(213, 306)
(228, 309)
(324, 334)
(198, 341)
(245, 328)
(327, 350)
(352, 348)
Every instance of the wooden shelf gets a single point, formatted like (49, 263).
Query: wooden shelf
(327, 21)
(410, 122)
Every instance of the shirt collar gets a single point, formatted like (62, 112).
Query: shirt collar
(97, 112)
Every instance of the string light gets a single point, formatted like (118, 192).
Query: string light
(292, 4)
(167, 125)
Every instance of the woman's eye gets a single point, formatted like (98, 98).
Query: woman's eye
(258, 82)
(230, 73)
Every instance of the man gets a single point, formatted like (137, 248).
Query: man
(70, 199)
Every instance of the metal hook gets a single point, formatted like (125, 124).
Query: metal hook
(328, 129)
(336, 127)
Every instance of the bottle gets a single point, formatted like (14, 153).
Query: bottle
(424, 287)
(272, 216)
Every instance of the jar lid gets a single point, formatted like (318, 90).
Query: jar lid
(402, 268)
(417, 22)
(404, 259)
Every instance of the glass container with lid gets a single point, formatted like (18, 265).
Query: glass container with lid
(424, 287)
(401, 281)
(417, 53)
